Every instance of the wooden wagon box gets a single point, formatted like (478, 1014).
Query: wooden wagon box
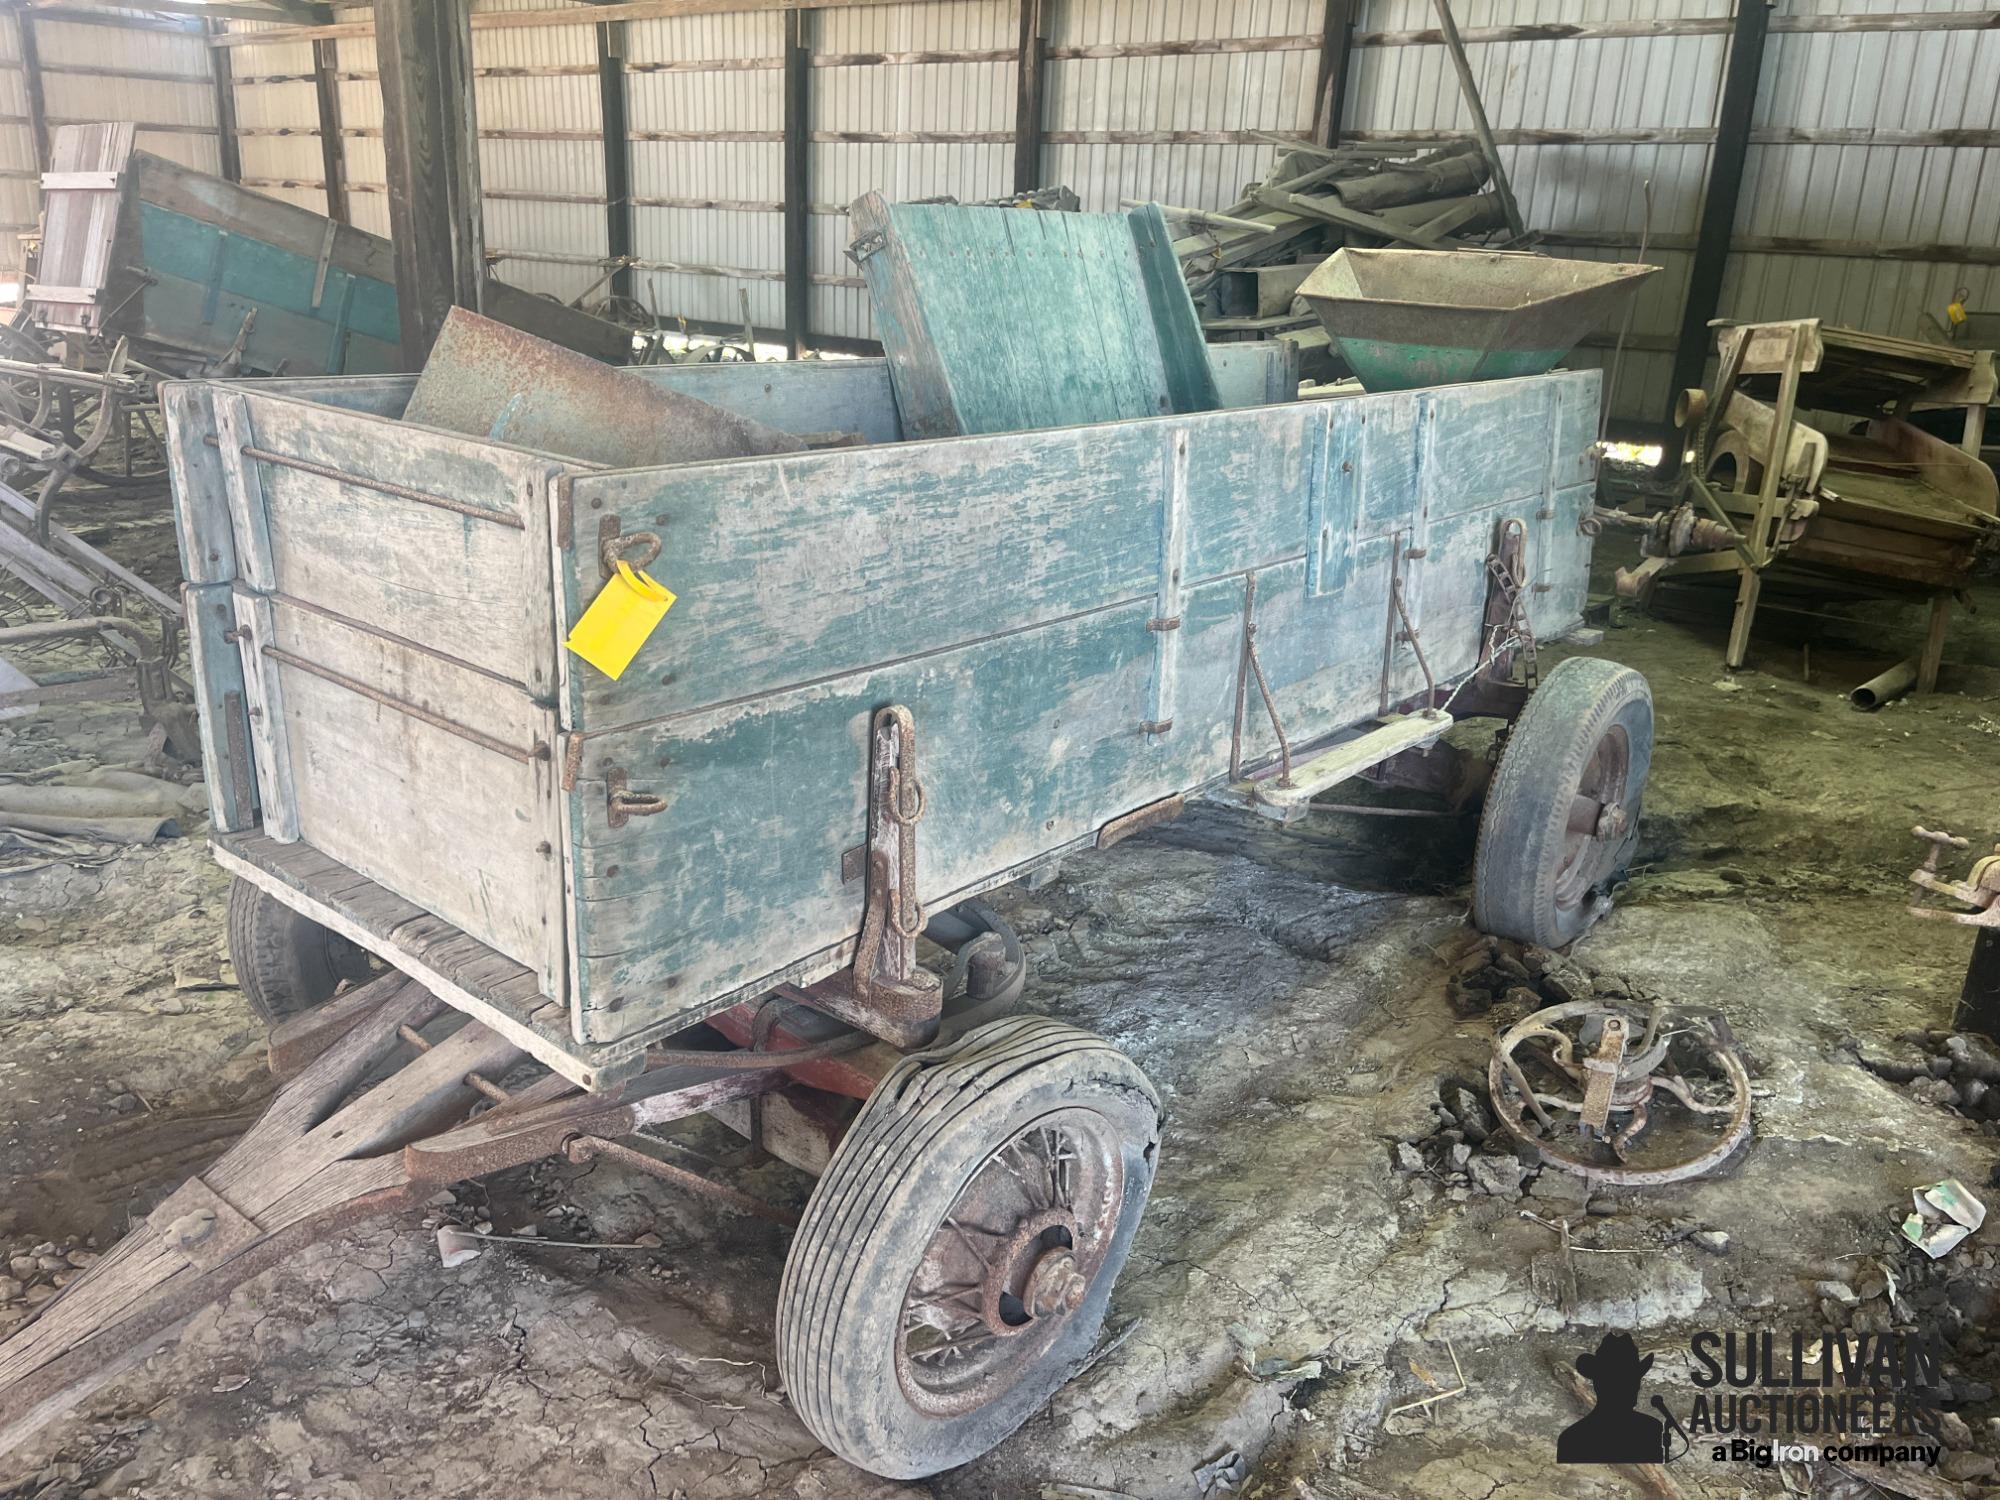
(399, 746)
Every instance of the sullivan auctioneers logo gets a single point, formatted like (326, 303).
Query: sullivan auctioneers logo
(1765, 1398)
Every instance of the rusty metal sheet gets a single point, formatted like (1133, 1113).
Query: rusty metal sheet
(491, 381)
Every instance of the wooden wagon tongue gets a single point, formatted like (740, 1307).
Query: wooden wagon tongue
(341, 1143)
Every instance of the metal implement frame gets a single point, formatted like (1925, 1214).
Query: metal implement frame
(1704, 537)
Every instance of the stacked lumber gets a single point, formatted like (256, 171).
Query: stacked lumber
(1244, 264)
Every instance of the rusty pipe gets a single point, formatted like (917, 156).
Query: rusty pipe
(1886, 687)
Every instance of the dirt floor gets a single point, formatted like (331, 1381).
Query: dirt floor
(1317, 1256)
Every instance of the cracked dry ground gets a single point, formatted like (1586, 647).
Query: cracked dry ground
(1287, 992)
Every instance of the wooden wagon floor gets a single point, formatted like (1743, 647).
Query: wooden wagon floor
(1286, 992)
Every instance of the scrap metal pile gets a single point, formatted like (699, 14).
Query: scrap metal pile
(1244, 264)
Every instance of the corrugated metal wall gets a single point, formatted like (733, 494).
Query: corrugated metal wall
(1165, 99)
(881, 120)
(277, 118)
(18, 197)
(705, 110)
(541, 150)
(1889, 86)
(1217, 100)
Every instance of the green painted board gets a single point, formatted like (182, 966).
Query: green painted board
(1002, 320)
(205, 280)
(1001, 588)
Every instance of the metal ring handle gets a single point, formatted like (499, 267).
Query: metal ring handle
(906, 797)
(613, 549)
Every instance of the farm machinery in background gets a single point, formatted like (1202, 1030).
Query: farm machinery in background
(147, 272)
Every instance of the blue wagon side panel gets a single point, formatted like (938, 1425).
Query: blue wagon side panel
(1012, 592)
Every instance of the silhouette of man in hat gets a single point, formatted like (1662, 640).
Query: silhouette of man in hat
(1612, 1432)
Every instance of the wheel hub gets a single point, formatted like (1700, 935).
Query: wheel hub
(1035, 1275)
(1055, 1286)
(1014, 1259)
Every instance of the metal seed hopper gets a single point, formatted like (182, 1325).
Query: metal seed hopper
(1410, 318)
(1115, 572)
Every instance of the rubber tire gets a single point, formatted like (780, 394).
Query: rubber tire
(920, 1137)
(1521, 830)
(286, 963)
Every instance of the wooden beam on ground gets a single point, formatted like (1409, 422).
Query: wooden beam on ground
(1719, 198)
(1030, 75)
(229, 153)
(31, 86)
(333, 160)
(430, 144)
(611, 104)
(798, 180)
(1336, 50)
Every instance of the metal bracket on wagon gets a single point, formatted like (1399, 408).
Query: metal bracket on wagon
(887, 993)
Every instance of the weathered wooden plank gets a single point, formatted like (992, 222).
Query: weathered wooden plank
(457, 827)
(780, 783)
(809, 397)
(376, 547)
(201, 490)
(243, 487)
(1345, 758)
(227, 757)
(515, 1008)
(180, 190)
(270, 727)
(997, 321)
(799, 568)
(308, 314)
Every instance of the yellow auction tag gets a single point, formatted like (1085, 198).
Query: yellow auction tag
(619, 620)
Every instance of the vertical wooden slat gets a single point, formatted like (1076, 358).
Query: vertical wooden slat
(332, 158)
(223, 73)
(798, 178)
(1030, 75)
(1336, 49)
(423, 49)
(613, 116)
(1719, 198)
(31, 86)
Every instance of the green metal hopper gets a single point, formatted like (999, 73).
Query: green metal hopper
(1406, 318)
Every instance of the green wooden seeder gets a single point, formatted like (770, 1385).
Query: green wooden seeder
(218, 276)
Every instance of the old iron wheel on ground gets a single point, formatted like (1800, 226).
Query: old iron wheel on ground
(955, 1262)
(1562, 816)
(286, 963)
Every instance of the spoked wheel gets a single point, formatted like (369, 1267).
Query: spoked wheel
(956, 1260)
(1562, 817)
(1621, 1095)
(286, 962)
